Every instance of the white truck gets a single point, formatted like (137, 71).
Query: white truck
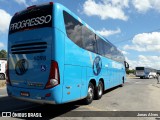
(3, 64)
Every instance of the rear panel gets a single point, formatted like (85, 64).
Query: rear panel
(30, 47)
(36, 41)
(30, 58)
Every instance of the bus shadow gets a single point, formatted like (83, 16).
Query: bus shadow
(51, 111)
(47, 111)
(8, 104)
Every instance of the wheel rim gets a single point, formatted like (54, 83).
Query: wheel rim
(90, 93)
(100, 89)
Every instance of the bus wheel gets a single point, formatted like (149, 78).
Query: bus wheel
(99, 90)
(2, 76)
(90, 94)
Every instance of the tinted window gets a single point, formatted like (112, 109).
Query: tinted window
(107, 49)
(33, 18)
(121, 57)
(85, 38)
(101, 46)
(115, 53)
(73, 29)
(89, 41)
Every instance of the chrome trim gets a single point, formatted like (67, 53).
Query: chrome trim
(35, 100)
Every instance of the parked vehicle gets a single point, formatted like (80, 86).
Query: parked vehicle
(55, 57)
(146, 72)
(3, 64)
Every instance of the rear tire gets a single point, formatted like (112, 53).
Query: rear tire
(99, 90)
(90, 94)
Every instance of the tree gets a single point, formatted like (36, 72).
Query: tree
(130, 71)
(3, 54)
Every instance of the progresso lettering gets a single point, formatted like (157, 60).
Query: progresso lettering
(31, 22)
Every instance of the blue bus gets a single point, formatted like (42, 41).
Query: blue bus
(54, 57)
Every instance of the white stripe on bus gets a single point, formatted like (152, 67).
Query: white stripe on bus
(25, 57)
(90, 55)
(17, 57)
(12, 61)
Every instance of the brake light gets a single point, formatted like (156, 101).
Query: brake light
(8, 82)
(54, 78)
(51, 3)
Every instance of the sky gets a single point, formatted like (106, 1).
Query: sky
(131, 25)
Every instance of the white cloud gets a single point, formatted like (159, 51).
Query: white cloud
(145, 42)
(107, 33)
(124, 52)
(1, 45)
(106, 9)
(145, 61)
(145, 5)
(21, 2)
(4, 20)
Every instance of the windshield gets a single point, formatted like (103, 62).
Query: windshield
(33, 18)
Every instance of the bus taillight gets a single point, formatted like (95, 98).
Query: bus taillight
(54, 78)
(51, 3)
(8, 82)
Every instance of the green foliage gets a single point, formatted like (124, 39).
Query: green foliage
(130, 71)
(3, 54)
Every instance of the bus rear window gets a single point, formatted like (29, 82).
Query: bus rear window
(139, 68)
(36, 17)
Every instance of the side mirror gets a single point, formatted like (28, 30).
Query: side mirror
(126, 65)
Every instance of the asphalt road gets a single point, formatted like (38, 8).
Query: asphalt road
(136, 95)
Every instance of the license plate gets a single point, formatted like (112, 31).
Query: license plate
(25, 94)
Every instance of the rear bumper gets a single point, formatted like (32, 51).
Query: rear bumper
(37, 95)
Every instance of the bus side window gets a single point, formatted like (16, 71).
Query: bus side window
(108, 50)
(73, 29)
(100, 45)
(88, 40)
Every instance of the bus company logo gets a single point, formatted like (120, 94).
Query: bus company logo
(97, 65)
(21, 67)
